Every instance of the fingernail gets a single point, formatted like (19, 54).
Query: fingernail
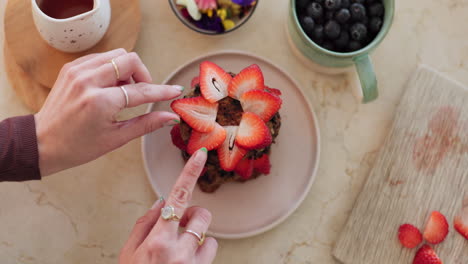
(158, 202)
(204, 150)
(172, 122)
(179, 87)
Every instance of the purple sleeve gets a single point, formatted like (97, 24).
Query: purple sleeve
(19, 156)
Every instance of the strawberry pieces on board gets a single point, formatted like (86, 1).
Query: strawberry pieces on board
(214, 81)
(253, 133)
(436, 229)
(197, 112)
(460, 221)
(426, 255)
(261, 103)
(409, 236)
(210, 140)
(250, 78)
(229, 153)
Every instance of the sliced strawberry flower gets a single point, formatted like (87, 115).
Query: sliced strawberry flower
(426, 255)
(262, 164)
(229, 153)
(197, 112)
(210, 140)
(214, 81)
(409, 236)
(261, 103)
(250, 78)
(436, 228)
(245, 168)
(273, 91)
(177, 138)
(253, 133)
(461, 220)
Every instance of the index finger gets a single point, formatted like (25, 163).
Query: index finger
(181, 193)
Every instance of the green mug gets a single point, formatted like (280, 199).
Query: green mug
(342, 60)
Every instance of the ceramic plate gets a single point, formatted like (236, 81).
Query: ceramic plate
(245, 209)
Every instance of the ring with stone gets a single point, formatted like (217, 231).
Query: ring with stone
(201, 238)
(168, 213)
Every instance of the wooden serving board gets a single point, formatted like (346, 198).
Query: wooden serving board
(42, 62)
(422, 167)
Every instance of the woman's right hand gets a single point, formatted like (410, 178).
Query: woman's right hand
(155, 240)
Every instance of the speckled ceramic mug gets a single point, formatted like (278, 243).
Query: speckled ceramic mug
(77, 33)
(357, 63)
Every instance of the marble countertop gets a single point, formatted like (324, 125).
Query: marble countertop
(84, 215)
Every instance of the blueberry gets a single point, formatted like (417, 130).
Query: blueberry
(329, 15)
(302, 4)
(328, 45)
(358, 1)
(354, 45)
(342, 41)
(358, 11)
(308, 24)
(319, 1)
(315, 10)
(332, 4)
(317, 34)
(342, 15)
(376, 9)
(375, 24)
(332, 29)
(358, 31)
(345, 3)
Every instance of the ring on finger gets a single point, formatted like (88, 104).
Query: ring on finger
(116, 69)
(201, 238)
(168, 213)
(126, 95)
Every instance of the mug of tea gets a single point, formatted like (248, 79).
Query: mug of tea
(337, 36)
(71, 25)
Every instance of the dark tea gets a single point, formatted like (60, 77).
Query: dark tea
(61, 9)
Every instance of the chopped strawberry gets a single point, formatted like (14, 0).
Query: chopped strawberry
(261, 103)
(197, 112)
(409, 236)
(214, 81)
(177, 138)
(250, 78)
(229, 153)
(273, 91)
(262, 164)
(461, 220)
(195, 82)
(245, 168)
(253, 133)
(436, 229)
(426, 255)
(210, 140)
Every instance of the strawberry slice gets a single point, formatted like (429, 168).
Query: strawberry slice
(214, 81)
(245, 168)
(436, 229)
(177, 138)
(195, 81)
(253, 133)
(210, 140)
(461, 220)
(250, 78)
(409, 236)
(229, 153)
(261, 103)
(197, 112)
(426, 255)
(262, 164)
(273, 91)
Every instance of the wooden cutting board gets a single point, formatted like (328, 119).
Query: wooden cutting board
(422, 167)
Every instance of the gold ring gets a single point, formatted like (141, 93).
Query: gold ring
(167, 213)
(201, 238)
(116, 69)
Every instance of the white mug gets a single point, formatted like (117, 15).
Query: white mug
(77, 33)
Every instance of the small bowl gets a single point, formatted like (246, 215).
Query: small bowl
(193, 27)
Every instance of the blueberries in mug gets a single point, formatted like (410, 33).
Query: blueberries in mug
(354, 45)
(358, 31)
(375, 24)
(308, 24)
(318, 32)
(345, 3)
(376, 9)
(343, 15)
(332, 29)
(315, 10)
(358, 11)
(329, 15)
(332, 4)
(342, 41)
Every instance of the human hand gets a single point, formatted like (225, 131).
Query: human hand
(77, 122)
(155, 240)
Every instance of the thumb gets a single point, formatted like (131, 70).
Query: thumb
(144, 124)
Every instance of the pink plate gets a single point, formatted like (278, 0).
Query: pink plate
(246, 209)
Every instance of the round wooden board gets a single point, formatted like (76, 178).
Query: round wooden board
(42, 62)
(29, 91)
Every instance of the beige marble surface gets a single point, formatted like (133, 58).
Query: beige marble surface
(84, 215)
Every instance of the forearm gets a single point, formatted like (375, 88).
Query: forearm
(19, 157)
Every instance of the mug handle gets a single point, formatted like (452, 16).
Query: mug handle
(367, 78)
